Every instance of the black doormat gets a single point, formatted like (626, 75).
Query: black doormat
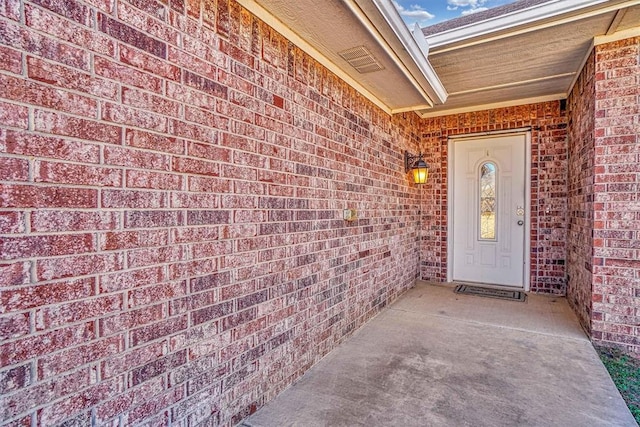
(491, 292)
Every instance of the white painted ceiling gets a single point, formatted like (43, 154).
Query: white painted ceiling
(500, 60)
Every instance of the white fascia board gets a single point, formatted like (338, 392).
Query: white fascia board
(509, 20)
(412, 46)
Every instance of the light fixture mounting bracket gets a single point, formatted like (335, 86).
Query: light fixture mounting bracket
(411, 159)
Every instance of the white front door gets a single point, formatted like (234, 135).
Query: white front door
(489, 210)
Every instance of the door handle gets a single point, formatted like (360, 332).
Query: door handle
(520, 222)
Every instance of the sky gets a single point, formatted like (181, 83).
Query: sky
(429, 12)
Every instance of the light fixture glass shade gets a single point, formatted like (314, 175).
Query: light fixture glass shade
(420, 172)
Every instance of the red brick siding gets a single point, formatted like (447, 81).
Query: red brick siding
(616, 265)
(172, 186)
(581, 103)
(548, 187)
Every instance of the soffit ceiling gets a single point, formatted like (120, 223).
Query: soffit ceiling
(333, 26)
(534, 62)
(630, 19)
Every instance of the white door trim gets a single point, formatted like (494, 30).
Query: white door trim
(450, 208)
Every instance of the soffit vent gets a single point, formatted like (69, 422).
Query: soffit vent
(361, 59)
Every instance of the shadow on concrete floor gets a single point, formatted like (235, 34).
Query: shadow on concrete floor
(436, 358)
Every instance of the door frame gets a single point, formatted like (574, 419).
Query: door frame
(526, 132)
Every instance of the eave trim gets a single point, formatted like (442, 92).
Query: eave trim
(617, 36)
(476, 108)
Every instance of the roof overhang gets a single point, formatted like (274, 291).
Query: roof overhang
(531, 54)
(324, 29)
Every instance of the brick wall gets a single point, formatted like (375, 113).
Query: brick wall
(616, 262)
(172, 183)
(548, 187)
(581, 103)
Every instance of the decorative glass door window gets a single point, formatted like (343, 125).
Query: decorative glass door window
(488, 201)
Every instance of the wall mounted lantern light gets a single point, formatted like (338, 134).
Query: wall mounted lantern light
(418, 167)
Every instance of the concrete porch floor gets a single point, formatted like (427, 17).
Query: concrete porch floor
(435, 358)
